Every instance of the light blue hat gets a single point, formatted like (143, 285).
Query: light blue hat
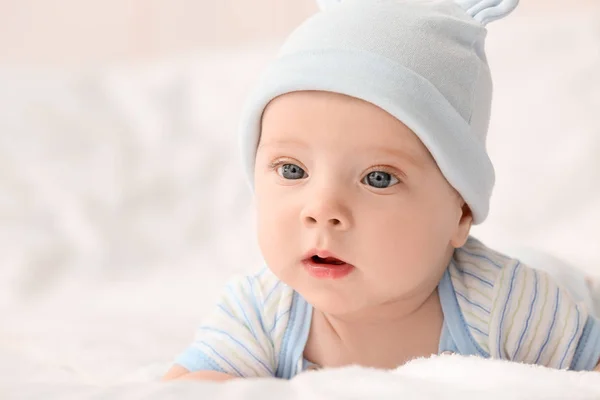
(422, 61)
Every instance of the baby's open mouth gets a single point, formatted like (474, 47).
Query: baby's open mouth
(327, 260)
(324, 265)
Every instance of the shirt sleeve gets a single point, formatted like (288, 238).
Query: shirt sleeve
(232, 339)
(536, 321)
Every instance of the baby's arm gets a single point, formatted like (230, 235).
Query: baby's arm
(177, 372)
(537, 321)
(231, 342)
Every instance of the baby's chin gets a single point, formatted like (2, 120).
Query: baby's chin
(339, 299)
(354, 300)
(333, 305)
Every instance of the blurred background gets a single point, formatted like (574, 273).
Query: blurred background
(72, 32)
(91, 32)
(123, 208)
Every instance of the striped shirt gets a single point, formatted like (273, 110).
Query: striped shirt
(493, 306)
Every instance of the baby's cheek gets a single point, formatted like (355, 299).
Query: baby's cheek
(268, 236)
(407, 253)
(276, 237)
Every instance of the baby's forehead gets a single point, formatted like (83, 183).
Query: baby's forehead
(314, 117)
(316, 96)
(297, 112)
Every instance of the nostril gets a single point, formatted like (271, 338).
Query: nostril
(311, 220)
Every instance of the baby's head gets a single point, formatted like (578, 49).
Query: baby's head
(340, 174)
(366, 140)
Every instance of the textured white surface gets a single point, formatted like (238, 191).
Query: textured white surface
(448, 377)
(123, 211)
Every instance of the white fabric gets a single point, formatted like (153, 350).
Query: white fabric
(114, 242)
(448, 377)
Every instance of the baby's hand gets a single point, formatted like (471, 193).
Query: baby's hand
(177, 372)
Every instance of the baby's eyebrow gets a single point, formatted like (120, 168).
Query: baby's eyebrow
(415, 160)
(281, 142)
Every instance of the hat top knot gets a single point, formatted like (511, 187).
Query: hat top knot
(482, 11)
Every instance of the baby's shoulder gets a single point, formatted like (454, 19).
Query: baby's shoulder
(517, 312)
(262, 293)
(482, 279)
(476, 272)
(482, 275)
(477, 268)
(475, 264)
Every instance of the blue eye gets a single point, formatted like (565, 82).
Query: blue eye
(291, 171)
(379, 179)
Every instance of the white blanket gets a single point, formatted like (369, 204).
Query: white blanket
(123, 211)
(448, 377)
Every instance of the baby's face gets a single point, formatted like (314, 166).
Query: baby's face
(340, 175)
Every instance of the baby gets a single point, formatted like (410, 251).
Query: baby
(365, 144)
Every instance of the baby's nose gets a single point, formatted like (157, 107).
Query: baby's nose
(326, 212)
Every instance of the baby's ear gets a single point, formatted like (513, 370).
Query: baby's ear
(464, 227)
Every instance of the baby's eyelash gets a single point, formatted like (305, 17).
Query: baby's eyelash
(273, 165)
(384, 168)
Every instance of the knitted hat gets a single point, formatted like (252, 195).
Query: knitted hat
(422, 61)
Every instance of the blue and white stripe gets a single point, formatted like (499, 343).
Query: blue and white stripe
(515, 312)
(244, 333)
